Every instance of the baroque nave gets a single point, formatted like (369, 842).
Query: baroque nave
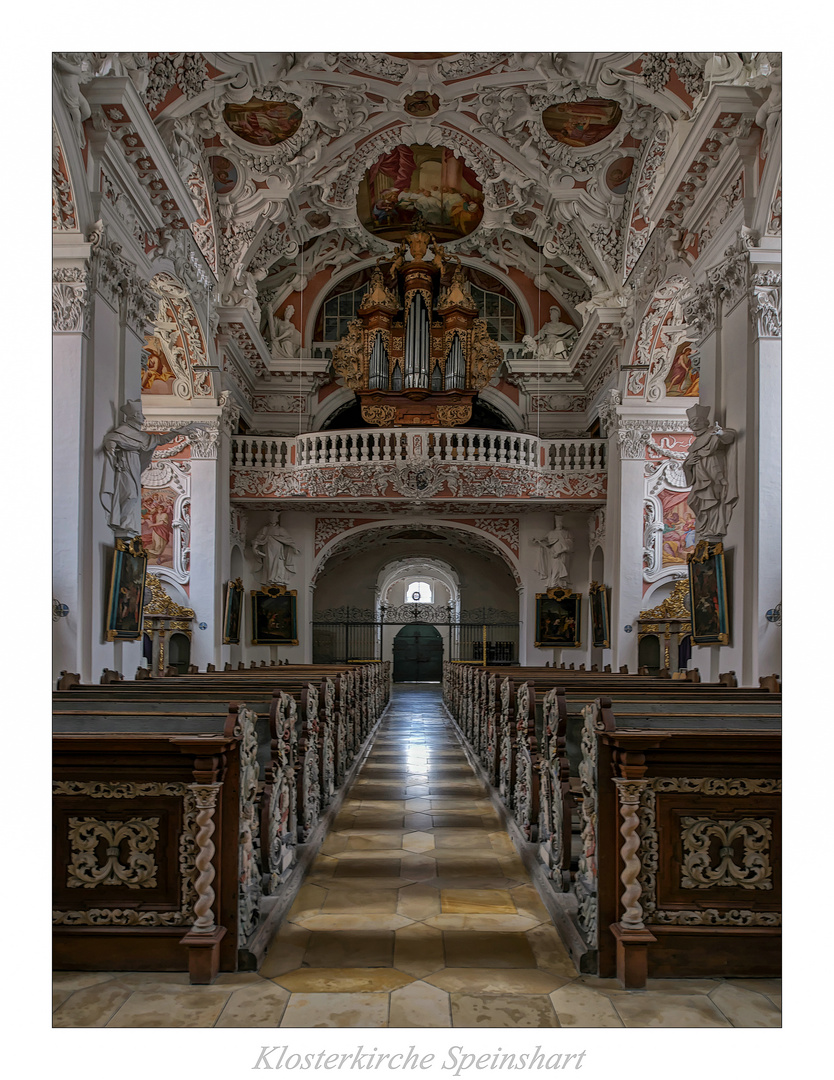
(417, 556)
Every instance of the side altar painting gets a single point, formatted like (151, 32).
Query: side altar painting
(274, 616)
(558, 616)
(232, 612)
(127, 591)
(420, 182)
(708, 589)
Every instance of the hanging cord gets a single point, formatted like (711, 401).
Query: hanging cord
(301, 350)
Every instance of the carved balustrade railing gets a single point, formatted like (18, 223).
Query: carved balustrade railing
(453, 446)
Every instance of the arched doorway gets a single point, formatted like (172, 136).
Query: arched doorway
(418, 654)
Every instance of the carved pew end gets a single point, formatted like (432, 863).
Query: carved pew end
(624, 669)
(109, 676)
(68, 680)
(642, 670)
(771, 683)
(142, 673)
(728, 678)
(693, 676)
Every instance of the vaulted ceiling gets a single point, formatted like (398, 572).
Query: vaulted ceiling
(274, 147)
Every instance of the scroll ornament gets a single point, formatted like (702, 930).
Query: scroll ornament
(348, 357)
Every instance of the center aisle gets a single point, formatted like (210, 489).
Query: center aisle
(417, 911)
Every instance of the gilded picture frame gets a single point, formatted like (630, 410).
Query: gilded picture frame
(558, 619)
(233, 612)
(126, 600)
(708, 594)
(600, 615)
(274, 616)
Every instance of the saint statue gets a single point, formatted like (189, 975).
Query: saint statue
(553, 552)
(554, 340)
(285, 340)
(127, 453)
(274, 546)
(710, 468)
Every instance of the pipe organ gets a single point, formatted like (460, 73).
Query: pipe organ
(417, 353)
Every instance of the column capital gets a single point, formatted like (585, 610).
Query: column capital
(766, 303)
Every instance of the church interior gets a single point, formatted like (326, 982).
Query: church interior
(417, 645)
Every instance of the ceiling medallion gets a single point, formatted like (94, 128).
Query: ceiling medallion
(581, 123)
(263, 123)
(420, 182)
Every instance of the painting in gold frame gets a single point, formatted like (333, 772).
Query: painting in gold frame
(600, 620)
(558, 619)
(232, 612)
(127, 591)
(708, 592)
(274, 616)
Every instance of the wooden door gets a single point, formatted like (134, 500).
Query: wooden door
(418, 654)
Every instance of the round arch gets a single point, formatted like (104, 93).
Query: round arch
(419, 567)
(347, 271)
(361, 536)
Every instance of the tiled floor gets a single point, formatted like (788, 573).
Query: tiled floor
(416, 913)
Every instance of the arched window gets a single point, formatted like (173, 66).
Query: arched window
(419, 592)
(339, 310)
(499, 312)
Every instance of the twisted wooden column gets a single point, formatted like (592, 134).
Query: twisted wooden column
(205, 796)
(629, 794)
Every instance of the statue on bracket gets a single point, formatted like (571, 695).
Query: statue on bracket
(555, 339)
(285, 340)
(710, 468)
(274, 546)
(553, 555)
(127, 453)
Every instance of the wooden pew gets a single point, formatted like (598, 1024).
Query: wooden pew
(665, 901)
(288, 765)
(163, 896)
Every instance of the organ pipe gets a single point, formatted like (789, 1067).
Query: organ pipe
(417, 345)
(455, 366)
(378, 375)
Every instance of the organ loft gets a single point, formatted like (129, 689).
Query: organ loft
(417, 566)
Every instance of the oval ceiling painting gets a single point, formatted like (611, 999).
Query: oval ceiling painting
(426, 182)
(223, 173)
(264, 123)
(618, 175)
(581, 123)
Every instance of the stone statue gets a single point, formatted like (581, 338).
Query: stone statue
(710, 468)
(554, 340)
(127, 453)
(553, 553)
(273, 545)
(285, 339)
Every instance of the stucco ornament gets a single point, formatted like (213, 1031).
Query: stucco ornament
(128, 451)
(710, 469)
(274, 547)
(553, 555)
(555, 339)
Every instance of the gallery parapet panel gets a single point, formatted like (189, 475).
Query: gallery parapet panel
(436, 463)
